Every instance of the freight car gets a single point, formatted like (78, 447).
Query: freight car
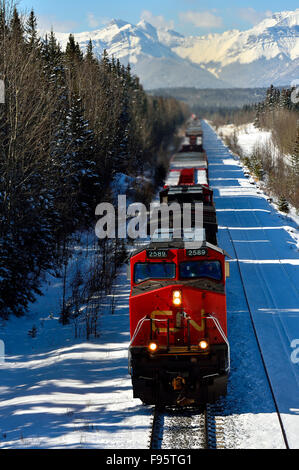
(194, 130)
(189, 190)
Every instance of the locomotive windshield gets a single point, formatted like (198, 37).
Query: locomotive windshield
(144, 271)
(195, 269)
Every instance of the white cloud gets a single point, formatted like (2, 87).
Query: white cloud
(46, 23)
(95, 21)
(201, 19)
(252, 16)
(157, 21)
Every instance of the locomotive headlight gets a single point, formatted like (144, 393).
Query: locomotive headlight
(153, 347)
(203, 344)
(177, 298)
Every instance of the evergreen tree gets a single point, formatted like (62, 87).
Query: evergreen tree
(283, 205)
(74, 156)
(257, 121)
(73, 52)
(26, 207)
(31, 32)
(122, 156)
(270, 99)
(295, 164)
(89, 56)
(276, 98)
(16, 26)
(105, 62)
(285, 101)
(68, 125)
(53, 60)
(3, 22)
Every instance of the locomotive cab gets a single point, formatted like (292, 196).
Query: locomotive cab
(179, 353)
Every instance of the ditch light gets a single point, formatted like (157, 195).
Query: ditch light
(152, 347)
(177, 298)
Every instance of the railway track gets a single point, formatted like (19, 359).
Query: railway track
(190, 428)
(257, 340)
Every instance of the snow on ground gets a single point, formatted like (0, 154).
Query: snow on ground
(264, 243)
(58, 392)
(61, 392)
(248, 137)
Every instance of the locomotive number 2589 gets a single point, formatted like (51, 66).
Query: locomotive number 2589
(198, 252)
(157, 253)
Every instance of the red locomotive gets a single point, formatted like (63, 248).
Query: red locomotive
(179, 352)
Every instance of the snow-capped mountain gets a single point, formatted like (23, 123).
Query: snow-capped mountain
(267, 53)
(151, 59)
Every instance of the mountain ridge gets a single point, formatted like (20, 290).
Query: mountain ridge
(266, 53)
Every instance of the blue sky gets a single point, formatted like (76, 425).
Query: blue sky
(185, 16)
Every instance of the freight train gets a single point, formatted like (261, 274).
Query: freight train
(179, 351)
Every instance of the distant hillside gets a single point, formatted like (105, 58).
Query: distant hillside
(201, 100)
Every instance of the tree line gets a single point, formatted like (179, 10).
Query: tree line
(279, 113)
(71, 122)
(276, 165)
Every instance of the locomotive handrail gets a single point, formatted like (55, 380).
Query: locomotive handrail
(151, 320)
(210, 316)
(140, 323)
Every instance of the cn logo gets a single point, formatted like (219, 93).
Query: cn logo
(295, 353)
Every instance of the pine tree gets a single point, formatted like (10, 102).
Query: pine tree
(3, 21)
(31, 32)
(16, 26)
(122, 156)
(257, 121)
(73, 52)
(270, 99)
(74, 156)
(73, 57)
(276, 98)
(256, 165)
(285, 101)
(53, 60)
(295, 164)
(78, 179)
(105, 62)
(283, 205)
(119, 70)
(89, 56)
